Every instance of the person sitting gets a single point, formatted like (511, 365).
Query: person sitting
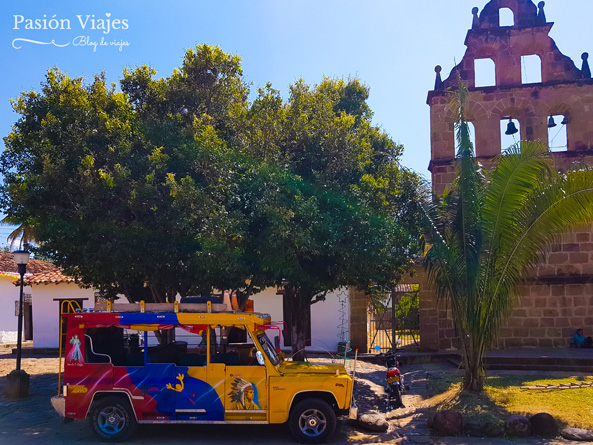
(580, 341)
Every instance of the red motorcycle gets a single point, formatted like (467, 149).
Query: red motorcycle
(395, 381)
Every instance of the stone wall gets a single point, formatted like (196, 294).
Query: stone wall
(358, 320)
(555, 300)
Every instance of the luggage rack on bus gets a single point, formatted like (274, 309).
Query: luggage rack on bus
(107, 306)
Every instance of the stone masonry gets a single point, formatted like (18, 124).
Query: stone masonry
(557, 296)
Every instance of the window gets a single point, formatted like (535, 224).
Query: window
(557, 140)
(110, 345)
(269, 349)
(510, 132)
(472, 134)
(506, 17)
(531, 69)
(485, 72)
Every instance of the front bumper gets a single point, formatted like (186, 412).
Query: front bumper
(59, 404)
(353, 411)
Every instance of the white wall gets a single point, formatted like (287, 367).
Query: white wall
(46, 311)
(9, 293)
(325, 317)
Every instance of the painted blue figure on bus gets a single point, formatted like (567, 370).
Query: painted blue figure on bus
(76, 354)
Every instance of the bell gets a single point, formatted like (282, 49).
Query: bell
(564, 121)
(551, 123)
(511, 129)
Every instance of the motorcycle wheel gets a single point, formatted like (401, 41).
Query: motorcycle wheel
(398, 396)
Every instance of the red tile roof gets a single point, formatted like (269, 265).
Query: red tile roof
(403, 288)
(8, 265)
(55, 277)
(38, 272)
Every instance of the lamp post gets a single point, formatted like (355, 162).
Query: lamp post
(21, 258)
(17, 382)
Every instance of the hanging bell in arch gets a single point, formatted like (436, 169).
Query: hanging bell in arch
(551, 123)
(511, 129)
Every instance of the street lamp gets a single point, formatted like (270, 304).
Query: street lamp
(17, 382)
(21, 258)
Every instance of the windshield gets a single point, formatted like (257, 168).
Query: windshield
(269, 349)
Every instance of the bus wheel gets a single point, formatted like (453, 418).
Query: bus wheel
(112, 419)
(312, 421)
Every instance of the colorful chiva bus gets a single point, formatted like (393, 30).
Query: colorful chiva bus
(217, 367)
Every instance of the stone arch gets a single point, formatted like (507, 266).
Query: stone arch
(449, 113)
(544, 110)
(524, 12)
(516, 107)
(564, 130)
(513, 5)
(559, 108)
(489, 50)
(492, 50)
(500, 16)
(526, 48)
(477, 115)
(476, 111)
(449, 117)
(561, 129)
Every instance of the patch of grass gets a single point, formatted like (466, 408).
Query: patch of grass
(572, 407)
(503, 396)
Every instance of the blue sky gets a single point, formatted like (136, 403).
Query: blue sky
(391, 45)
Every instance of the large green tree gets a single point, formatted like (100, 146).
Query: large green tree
(179, 185)
(347, 215)
(98, 173)
(490, 228)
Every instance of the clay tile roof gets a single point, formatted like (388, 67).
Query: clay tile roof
(403, 288)
(55, 277)
(38, 272)
(8, 266)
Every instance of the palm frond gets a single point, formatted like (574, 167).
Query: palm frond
(22, 235)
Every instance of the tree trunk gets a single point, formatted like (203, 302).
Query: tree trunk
(300, 313)
(473, 362)
(164, 336)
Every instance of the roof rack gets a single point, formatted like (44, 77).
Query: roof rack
(107, 306)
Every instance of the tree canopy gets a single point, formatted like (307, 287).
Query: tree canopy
(181, 184)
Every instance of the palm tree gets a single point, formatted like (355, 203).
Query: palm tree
(23, 234)
(492, 227)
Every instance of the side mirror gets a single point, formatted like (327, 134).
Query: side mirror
(260, 357)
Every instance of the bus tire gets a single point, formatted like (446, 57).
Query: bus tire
(312, 421)
(112, 419)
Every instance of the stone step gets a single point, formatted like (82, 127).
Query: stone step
(531, 365)
(561, 361)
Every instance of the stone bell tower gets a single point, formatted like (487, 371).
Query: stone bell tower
(558, 297)
(564, 90)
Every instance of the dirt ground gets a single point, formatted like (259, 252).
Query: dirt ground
(33, 366)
